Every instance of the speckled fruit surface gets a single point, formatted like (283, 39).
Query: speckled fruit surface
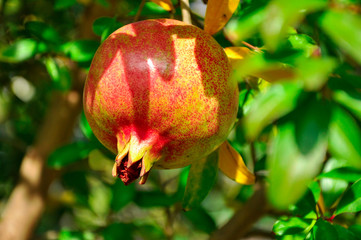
(158, 94)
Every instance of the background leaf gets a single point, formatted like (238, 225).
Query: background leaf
(351, 200)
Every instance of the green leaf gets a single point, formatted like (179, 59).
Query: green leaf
(332, 188)
(351, 200)
(99, 198)
(238, 29)
(345, 137)
(303, 42)
(201, 220)
(283, 14)
(291, 225)
(306, 206)
(85, 127)
(276, 102)
(324, 230)
(344, 233)
(102, 24)
(75, 235)
(70, 153)
(80, 50)
(63, 4)
(150, 232)
(43, 31)
(345, 30)
(356, 230)
(122, 195)
(146, 199)
(345, 173)
(351, 99)
(77, 182)
(21, 50)
(116, 231)
(314, 72)
(201, 178)
(297, 153)
(59, 74)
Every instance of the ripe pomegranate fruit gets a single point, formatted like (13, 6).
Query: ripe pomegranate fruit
(158, 94)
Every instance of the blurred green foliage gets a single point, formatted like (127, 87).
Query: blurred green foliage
(302, 135)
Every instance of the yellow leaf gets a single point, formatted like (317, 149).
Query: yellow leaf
(165, 4)
(218, 13)
(276, 71)
(232, 165)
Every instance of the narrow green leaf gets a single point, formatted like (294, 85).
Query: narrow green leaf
(122, 195)
(81, 50)
(324, 230)
(70, 153)
(351, 200)
(297, 153)
(21, 50)
(351, 99)
(345, 173)
(345, 30)
(345, 137)
(291, 225)
(201, 178)
(85, 127)
(43, 31)
(63, 4)
(276, 102)
(59, 74)
(75, 235)
(201, 220)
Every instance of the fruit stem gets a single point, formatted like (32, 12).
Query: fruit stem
(137, 15)
(186, 11)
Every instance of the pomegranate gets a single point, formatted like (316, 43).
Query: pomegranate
(158, 94)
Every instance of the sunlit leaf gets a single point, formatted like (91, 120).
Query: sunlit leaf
(345, 29)
(232, 165)
(351, 200)
(59, 74)
(345, 137)
(345, 173)
(80, 50)
(201, 178)
(291, 225)
(282, 15)
(277, 101)
(306, 206)
(43, 31)
(21, 50)
(297, 153)
(218, 13)
(351, 99)
(165, 4)
(75, 235)
(70, 153)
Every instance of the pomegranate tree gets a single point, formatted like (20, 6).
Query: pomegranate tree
(158, 95)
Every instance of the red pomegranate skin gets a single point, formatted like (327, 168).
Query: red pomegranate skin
(158, 94)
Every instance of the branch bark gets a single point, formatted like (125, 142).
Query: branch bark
(243, 220)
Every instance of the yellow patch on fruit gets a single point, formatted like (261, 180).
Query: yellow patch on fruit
(231, 164)
(218, 13)
(165, 4)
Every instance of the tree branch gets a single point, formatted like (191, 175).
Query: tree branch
(243, 220)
